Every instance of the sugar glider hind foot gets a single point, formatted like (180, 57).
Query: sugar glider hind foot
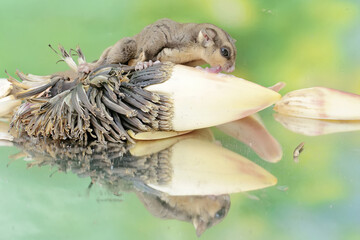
(85, 68)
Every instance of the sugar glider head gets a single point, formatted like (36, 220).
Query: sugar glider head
(218, 48)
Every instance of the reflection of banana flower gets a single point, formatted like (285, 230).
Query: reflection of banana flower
(5, 136)
(186, 177)
(316, 127)
(200, 167)
(251, 131)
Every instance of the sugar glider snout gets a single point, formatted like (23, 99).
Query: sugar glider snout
(229, 68)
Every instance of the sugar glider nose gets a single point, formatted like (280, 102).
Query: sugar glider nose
(230, 69)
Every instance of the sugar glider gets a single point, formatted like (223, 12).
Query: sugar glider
(181, 43)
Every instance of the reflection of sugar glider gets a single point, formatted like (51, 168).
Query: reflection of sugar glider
(202, 211)
(183, 43)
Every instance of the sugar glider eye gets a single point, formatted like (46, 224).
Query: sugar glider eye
(225, 52)
(221, 213)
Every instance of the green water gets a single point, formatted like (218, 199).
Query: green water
(303, 43)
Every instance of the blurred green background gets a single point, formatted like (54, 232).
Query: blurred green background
(301, 42)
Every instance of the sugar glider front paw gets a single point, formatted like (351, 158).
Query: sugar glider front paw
(210, 70)
(144, 65)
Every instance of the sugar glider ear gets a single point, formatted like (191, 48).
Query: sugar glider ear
(200, 226)
(206, 37)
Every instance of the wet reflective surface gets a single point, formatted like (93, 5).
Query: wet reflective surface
(206, 183)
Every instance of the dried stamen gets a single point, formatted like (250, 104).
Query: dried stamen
(103, 104)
